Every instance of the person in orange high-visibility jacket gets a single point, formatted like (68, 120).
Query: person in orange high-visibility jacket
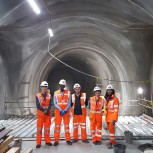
(96, 106)
(62, 103)
(43, 103)
(79, 104)
(112, 109)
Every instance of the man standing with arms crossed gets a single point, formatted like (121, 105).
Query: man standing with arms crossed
(43, 115)
(79, 104)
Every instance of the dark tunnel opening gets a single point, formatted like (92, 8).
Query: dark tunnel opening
(71, 76)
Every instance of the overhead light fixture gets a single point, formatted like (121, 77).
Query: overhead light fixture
(140, 90)
(50, 31)
(34, 6)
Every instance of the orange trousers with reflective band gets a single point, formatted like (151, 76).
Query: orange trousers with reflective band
(95, 129)
(111, 129)
(43, 121)
(79, 120)
(58, 120)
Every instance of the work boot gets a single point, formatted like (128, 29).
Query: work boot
(98, 142)
(108, 143)
(110, 146)
(49, 144)
(56, 143)
(95, 142)
(38, 146)
(69, 142)
(85, 141)
(74, 140)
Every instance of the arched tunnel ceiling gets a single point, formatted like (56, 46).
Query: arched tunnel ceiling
(111, 39)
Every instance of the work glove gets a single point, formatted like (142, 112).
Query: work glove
(113, 122)
(46, 112)
(62, 112)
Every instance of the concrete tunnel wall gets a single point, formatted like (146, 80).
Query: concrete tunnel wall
(115, 45)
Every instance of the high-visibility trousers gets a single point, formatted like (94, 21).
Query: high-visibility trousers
(43, 121)
(58, 120)
(95, 129)
(111, 129)
(79, 120)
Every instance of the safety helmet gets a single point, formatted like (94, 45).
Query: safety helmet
(76, 86)
(97, 89)
(110, 86)
(44, 84)
(62, 82)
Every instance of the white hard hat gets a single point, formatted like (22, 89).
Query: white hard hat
(44, 84)
(76, 86)
(62, 82)
(110, 86)
(97, 89)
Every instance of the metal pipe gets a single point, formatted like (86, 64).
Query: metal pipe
(141, 127)
(145, 106)
(145, 100)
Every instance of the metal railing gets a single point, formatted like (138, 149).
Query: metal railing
(9, 106)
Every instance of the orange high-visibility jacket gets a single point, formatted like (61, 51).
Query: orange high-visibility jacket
(82, 101)
(96, 108)
(43, 102)
(112, 108)
(62, 100)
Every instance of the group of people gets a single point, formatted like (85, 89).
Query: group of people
(63, 101)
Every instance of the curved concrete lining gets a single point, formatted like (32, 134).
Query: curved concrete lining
(108, 39)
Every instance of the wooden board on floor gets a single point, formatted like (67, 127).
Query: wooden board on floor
(6, 148)
(6, 142)
(27, 151)
(14, 150)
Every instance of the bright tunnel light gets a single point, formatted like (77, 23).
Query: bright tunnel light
(140, 90)
(50, 31)
(34, 6)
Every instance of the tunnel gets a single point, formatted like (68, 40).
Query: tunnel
(94, 43)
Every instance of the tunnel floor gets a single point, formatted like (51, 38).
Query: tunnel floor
(82, 148)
